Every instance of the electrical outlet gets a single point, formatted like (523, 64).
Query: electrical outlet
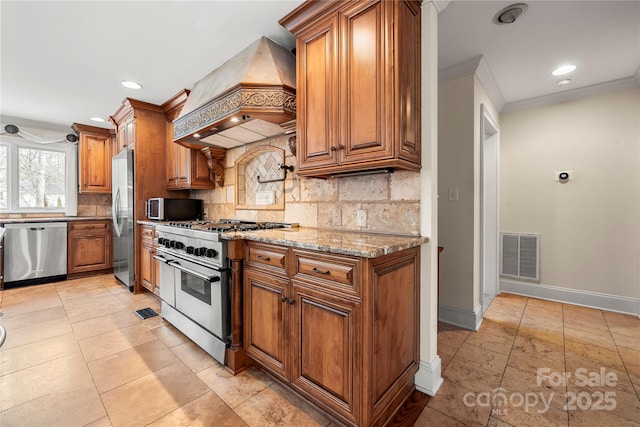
(361, 218)
(205, 213)
(337, 217)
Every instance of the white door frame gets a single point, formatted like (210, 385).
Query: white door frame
(489, 206)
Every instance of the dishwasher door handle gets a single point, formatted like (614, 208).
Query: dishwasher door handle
(36, 228)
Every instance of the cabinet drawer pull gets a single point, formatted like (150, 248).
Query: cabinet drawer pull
(315, 270)
(264, 258)
(283, 299)
(291, 301)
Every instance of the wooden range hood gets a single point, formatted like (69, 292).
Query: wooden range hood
(244, 100)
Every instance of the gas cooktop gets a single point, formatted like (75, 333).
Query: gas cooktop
(228, 225)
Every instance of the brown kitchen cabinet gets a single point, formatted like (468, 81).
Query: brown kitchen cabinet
(340, 330)
(94, 159)
(186, 168)
(358, 85)
(125, 134)
(89, 249)
(149, 267)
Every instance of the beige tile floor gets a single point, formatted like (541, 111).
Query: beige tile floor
(77, 355)
(520, 336)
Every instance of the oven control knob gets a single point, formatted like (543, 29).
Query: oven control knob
(161, 241)
(169, 243)
(211, 253)
(189, 249)
(201, 251)
(179, 245)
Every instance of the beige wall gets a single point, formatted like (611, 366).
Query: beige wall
(456, 170)
(589, 226)
(459, 118)
(391, 201)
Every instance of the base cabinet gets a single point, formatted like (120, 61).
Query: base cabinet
(149, 267)
(342, 331)
(89, 249)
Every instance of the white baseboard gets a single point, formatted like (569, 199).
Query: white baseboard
(428, 379)
(466, 319)
(597, 300)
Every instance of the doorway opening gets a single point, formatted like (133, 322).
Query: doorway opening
(489, 230)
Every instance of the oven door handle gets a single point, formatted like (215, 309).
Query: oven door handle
(161, 259)
(177, 265)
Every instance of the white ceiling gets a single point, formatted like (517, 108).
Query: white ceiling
(602, 38)
(62, 62)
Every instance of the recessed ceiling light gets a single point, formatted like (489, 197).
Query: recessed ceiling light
(564, 82)
(509, 14)
(235, 119)
(196, 135)
(130, 84)
(565, 69)
(97, 119)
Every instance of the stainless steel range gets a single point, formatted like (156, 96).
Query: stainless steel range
(195, 285)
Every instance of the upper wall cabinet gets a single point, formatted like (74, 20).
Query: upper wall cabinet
(186, 168)
(358, 85)
(94, 159)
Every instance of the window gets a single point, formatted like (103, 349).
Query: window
(37, 178)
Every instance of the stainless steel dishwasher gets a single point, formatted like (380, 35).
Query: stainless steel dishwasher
(34, 253)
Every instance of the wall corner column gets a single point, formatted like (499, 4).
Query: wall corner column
(429, 379)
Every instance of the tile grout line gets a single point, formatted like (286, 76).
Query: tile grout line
(508, 357)
(564, 360)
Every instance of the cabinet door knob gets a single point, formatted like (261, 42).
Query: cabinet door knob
(341, 147)
(333, 148)
(291, 301)
(283, 299)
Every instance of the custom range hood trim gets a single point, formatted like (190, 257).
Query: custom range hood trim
(264, 89)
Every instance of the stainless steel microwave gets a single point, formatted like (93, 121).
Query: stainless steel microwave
(163, 209)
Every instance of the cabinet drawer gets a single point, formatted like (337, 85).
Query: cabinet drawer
(89, 226)
(147, 232)
(335, 271)
(270, 257)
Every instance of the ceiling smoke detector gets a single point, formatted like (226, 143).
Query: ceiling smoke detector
(509, 14)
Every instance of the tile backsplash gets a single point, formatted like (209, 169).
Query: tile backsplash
(88, 205)
(391, 201)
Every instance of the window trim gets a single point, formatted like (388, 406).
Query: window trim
(71, 175)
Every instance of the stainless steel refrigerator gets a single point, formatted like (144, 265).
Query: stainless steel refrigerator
(122, 212)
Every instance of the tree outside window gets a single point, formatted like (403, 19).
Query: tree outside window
(41, 177)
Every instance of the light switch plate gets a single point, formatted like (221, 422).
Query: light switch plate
(453, 194)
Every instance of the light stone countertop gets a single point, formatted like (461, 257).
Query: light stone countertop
(360, 244)
(53, 219)
(366, 245)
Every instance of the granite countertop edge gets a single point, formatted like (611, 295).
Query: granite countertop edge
(352, 243)
(360, 244)
(53, 219)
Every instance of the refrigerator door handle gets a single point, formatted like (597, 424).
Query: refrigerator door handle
(115, 208)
